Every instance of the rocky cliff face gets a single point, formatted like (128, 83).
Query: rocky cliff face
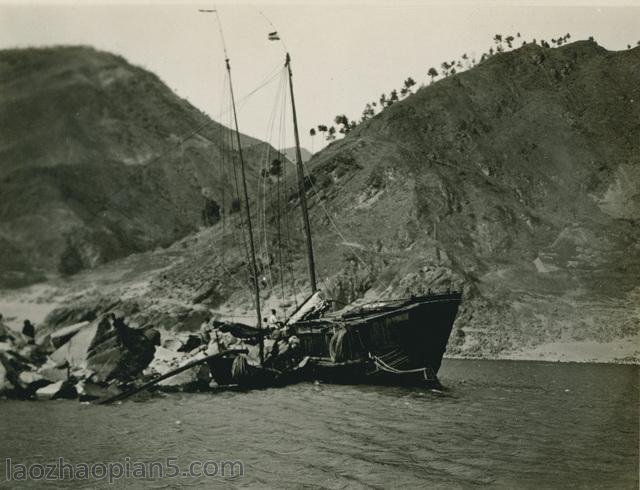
(517, 181)
(91, 161)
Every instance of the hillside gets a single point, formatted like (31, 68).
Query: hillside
(517, 181)
(290, 153)
(91, 161)
(521, 183)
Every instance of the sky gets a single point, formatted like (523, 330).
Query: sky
(344, 54)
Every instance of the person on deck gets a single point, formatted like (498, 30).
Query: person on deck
(205, 332)
(295, 354)
(29, 331)
(274, 322)
(117, 321)
(271, 359)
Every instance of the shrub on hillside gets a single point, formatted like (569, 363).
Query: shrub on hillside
(376, 178)
(70, 260)
(210, 212)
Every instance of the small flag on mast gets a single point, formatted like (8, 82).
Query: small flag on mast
(273, 36)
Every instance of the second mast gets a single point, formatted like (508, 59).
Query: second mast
(301, 190)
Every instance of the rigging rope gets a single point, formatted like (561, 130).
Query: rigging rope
(227, 152)
(241, 219)
(222, 180)
(392, 360)
(280, 268)
(187, 136)
(268, 203)
(263, 181)
(390, 369)
(230, 145)
(338, 232)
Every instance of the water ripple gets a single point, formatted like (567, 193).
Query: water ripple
(501, 424)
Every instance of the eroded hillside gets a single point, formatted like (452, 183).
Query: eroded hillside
(517, 181)
(93, 161)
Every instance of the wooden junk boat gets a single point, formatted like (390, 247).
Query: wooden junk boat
(399, 341)
(396, 341)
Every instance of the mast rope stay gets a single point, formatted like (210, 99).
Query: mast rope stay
(246, 195)
(275, 36)
(302, 166)
(338, 232)
(281, 177)
(270, 198)
(226, 159)
(187, 136)
(265, 180)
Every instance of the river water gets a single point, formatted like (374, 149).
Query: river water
(501, 424)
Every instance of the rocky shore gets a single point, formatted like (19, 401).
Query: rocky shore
(102, 355)
(97, 349)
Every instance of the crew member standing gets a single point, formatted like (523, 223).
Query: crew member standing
(274, 322)
(29, 331)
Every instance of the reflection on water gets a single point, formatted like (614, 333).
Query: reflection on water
(502, 424)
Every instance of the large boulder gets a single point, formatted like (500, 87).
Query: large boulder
(6, 334)
(62, 336)
(11, 365)
(31, 381)
(6, 385)
(34, 354)
(61, 389)
(53, 371)
(181, 318)
(107, 353)
(79, 312)
(111, 360)
(76, 350)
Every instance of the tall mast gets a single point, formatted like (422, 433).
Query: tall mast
(301, 191)
(252, 248)
(247, 209)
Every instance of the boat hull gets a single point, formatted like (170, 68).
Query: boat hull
(401, 342)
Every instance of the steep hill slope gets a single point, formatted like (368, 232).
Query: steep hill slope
(517, 181)
(522, 183)
(91, 163)
(290, 153)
